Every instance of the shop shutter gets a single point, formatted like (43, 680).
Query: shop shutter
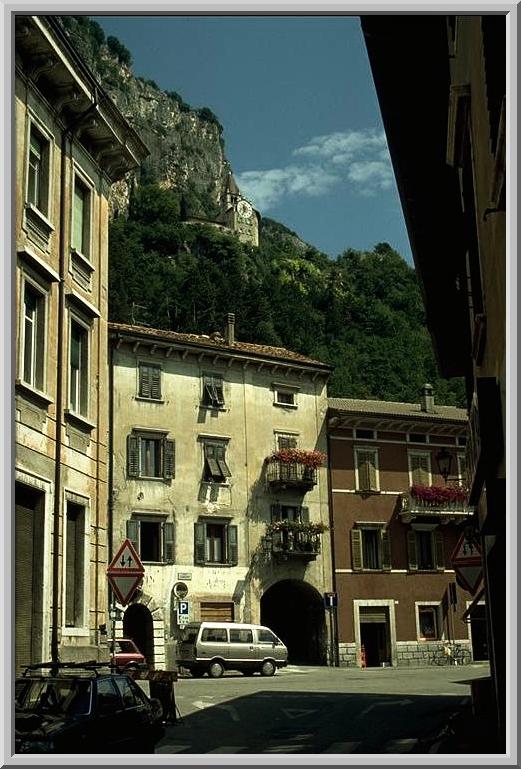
(169, 468)
(373, 614)
(438, 550)
(216, 611)
(23, 585)
(168, 538)
(133, 533)
(71, 534)
(356, 549)
(411, 550)
(385, 541)
(200, 543)
(233, 548)
(133, 456)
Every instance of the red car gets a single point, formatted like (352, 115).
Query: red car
(126, 655)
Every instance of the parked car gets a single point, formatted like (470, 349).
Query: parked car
(213, 647)
(83, 708)
(126, 655)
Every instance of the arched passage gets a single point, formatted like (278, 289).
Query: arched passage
(138, 625)
(294, 610)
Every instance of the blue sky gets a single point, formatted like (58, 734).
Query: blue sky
(302, 125)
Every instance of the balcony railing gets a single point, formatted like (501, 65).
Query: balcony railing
(282, 475)
(445, 504)
(289, 544)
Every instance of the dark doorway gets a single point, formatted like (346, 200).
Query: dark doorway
(478, 629)
(29, 539)
(374, 635)
(294, 611)
(138, 625)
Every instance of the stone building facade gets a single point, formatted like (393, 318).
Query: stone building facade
(71, 143)
(216, 519)
(396, 522)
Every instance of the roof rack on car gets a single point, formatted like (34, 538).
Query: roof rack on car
(55, 667)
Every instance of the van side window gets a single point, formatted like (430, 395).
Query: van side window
(267, 637)
(214, 634)
(241, 636)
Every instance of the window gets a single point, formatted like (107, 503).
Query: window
(428, 622)
(215, 468)
(33, 337)
(109, 700)
(214, 635)
(127, 692)
(267, 637)
(150, 455)
(153, 538)
(425, 549)
(78, 368)
(418, 437)
(213, 393)
(215, 543)
(285, 441)
(370, 548)
(462, 469)
(149, 381)
(74, 565)
(285, 395)
(290, 513)
(365, 435)
(80, 240)
(38, 171)
(461, 440)
(420, 469)
(366, 470)
(241, 636)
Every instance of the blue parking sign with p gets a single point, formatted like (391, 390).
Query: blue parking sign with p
(184, 608)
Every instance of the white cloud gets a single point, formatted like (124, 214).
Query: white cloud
(360, 158)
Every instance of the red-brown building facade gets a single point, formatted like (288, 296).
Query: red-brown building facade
(392, 536)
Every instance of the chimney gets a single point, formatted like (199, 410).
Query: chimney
(229, 332)
(427, 399)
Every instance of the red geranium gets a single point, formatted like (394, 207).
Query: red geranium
(311, 459)
(439, 495)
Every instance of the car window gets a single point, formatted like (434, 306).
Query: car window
(266, 636)
(241, 636)
(215, 634)
(127, 693)
(108, 698)
(139, 694)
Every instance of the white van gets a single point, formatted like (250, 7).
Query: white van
(213, 647)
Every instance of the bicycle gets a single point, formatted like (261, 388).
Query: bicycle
(452, 654)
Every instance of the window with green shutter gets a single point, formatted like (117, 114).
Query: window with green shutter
(370, 547)
(152, 537)
(213, 391)
(150, 455)
(149, 381)
(439, 554)
(366, 466)
(216, 469)
(385, 549)
(215, 543)
(80, 238)
(411, 551)
(356, 549)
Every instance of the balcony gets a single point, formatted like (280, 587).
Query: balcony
(445, 504)
(293, 469)
(290, 540)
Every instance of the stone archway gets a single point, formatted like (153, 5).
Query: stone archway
(294, 610)
(138, 625)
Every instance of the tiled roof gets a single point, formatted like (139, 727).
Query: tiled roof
(392, 409)
(215, 343)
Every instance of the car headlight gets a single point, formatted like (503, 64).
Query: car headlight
(37, 746)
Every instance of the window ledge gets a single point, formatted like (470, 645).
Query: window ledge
(285, 405)
(367, 492)
(208, 407)
(80, 420)
(157, 563)
(75, 631)
(217, 565)
(159, 478)
(148, 400)
(26, 389)
(34, 212)
(221, 485)
(84, 260)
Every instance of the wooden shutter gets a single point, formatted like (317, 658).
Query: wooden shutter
(133, 533)
(356, 549)
(133, 456)
(385, 542)
(210, 454)
(366, 462)
(169, 459)
(221, 461)
(276, 513)
(168, 542)
(155, 382)
(200, 543)
(420, 469)
(412, 551)
(439, 555)
(304, 514)
(233, 549)
(144, 381)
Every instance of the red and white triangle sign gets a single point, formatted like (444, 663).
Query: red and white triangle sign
(466, 562)
(125, 572)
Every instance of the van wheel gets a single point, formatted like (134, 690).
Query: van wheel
(267, 668)
(215, 670)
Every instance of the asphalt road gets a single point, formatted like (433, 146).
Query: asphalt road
(311, 710)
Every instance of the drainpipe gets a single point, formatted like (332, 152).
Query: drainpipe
(66, 138)
(334, 640)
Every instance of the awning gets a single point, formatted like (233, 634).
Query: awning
(466, 617)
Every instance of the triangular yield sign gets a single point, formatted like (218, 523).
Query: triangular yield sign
(124, 585)
(465, 552)
(470, 576)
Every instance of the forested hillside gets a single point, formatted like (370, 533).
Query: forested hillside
(361, 312)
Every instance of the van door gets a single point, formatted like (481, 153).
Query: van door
(213, 642)
(242, 650)
(268, 645)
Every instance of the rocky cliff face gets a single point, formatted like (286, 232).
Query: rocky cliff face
(186, 145)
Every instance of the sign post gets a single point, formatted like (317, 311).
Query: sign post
(467, 563)
(331, 604)
(124, 573)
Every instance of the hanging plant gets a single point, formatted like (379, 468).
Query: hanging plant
(312, 459)
(439, 495)
(313, 527)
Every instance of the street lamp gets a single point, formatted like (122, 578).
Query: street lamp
(444, 462)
